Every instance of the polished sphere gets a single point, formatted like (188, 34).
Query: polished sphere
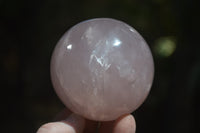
(101, 69)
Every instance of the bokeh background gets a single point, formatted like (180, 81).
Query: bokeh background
(29, 30)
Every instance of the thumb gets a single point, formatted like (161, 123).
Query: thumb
(73, 124)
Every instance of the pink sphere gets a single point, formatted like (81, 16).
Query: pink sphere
(101, 69)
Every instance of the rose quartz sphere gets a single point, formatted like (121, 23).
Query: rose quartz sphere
(101, 69)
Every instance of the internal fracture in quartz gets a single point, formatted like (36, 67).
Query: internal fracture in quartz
(101, 69)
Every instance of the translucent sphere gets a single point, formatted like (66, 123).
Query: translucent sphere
(101, 69)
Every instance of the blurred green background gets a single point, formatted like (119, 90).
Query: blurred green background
(29, 30)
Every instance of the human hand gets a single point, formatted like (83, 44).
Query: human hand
(77, 124)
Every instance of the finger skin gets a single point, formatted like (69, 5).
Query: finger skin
(90, 126)
(56, 127)
(77, 124)
(124, 124)
(73, 124)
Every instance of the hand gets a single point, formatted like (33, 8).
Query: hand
(77, 124)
